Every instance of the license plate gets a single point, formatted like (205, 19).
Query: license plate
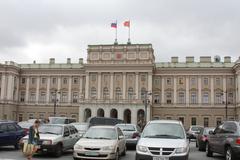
(160, 158)
(91, 154)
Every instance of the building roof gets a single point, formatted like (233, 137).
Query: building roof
(194, 65)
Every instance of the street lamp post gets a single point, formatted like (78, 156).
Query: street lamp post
(146, 101)
(226, 104)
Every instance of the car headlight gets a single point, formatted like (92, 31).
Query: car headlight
(78, 147)
(46, 142)
(142, 148)
(181, 150)
(108, 148)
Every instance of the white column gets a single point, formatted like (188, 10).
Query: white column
(120, 113)
(111, 86)
(48, 89)
(150, 85)
(134, 115)
(94, 111)
(70, 89)
(136, 85)
(238, 87)
(37, 89)
(224, 88)
(124, 85)
(59, 84)
(187, 90)
(3, 86)
(99, 85)
(10, 87)
(87, 85)
(199, 90)
(107, 112)
(174, 90)
(163, 91)
(80, 86)
(212, 89)
(148, 113)
(27, 90)
(17, 88)
(81, 114)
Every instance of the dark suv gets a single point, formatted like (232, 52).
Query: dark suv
(10, 134)
(225, 140)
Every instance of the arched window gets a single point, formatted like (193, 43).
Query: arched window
(143, 92)
(93, 93)
(130, 93)
(105, 93)
(118, 93)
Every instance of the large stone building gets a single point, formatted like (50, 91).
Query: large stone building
(113, 83)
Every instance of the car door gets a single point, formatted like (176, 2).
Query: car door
(121, 141)
(73, 135)
(4, 137)
(214, 138)
(66, 138)
(12, 133)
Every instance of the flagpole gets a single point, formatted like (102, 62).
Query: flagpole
(129, 40)
(116, 42)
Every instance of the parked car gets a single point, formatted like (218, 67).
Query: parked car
(81, 127)
(101, 142)
(163, 140)
(202, 138)
(25, 125)
(193, 131)
(55, 138)
(131, 132)
(99, 121)
(10, 134)
(225, 140)
(61, 120)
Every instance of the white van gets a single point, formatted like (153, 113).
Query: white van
(163, 140)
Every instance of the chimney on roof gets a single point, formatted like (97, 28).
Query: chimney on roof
(52, 61)
(189, 59)
(205, 59)
(68, 60)
(174, 59)
(80, 60)
(227, 59)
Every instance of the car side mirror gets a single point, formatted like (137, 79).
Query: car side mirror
(120, 137)
(211, 132)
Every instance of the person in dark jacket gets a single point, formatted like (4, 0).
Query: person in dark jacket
(34, 137)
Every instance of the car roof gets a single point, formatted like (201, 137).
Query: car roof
(125, 124)
(7, 121)
(111, 127)
(165, 121)
(61, 125)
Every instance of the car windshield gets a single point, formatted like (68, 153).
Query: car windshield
(25, 124)
(126, 127)
(206, 131)
(195, 129)
(51, 129)
(58, 120)
(101, 133)
(164, 130)
(81, 127)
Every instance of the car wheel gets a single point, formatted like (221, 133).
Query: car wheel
(229, 154)
(209, 153)
(58, 150)
(197, 144)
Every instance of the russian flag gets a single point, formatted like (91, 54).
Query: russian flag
(114, 25)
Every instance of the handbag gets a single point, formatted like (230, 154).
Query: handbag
(28, 149)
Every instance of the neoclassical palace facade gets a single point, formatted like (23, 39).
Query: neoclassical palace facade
(113, 83)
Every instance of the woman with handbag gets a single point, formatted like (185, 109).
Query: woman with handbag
(33, 137)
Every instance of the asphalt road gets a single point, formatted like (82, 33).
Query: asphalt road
(7, 153)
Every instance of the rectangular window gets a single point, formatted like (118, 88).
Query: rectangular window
(205, 98)
(205, 81)
(218, 81)
(231, 81)
(218, 98)
(43, 80)
(33, 80)
(169, 118)
(156, 99)
(194, 121)
(193, 81)
(193, 99)
(93, 77)
(143, 78)
(52, 96)
(22, 96)
(54, 80)
(181, 97)
(23, 80)
(30, 116)
(32, 97)
(180, 81)
(42, 97)
(64, 97)
(205, 121)
(230, 98)
(75, 97)
(169, 81)
(218, 121)
(20, 117)
(65, 81)
(75, 80)
(157, 81)
(169, 97)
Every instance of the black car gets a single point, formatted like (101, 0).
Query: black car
(10, 134)
(202, 138)
(225, 140)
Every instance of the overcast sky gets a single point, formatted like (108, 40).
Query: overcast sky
(41, 29)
